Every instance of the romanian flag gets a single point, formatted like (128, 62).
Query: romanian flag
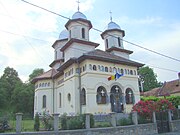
(111, 77)
(115, 77)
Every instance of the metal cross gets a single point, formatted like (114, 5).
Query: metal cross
(110, 15)
(78, 4)
(116, 89)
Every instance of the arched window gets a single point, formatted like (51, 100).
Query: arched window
(129, 96)
(83, 97)
(69, 97)
(44, 101)
(40, 85)
(131, 72)
(106, 69)
(119, 41)
(101, 97)
(122, 71)
(134, 72)
(70, 34)
(110, 69)
(114, 70)
(94, 67)
(125, 71)
(83, 33)
(48, 84)
(107, 43)
(102, 68)
(59, 100)
(90, 66)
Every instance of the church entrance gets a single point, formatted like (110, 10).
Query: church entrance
(116, 99)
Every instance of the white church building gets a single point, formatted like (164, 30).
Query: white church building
(78, 79)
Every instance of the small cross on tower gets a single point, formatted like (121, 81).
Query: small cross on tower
(78, 4)
(110, 15)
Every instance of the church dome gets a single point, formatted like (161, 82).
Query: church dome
(64, 34)
(113, 25)
(79, 15)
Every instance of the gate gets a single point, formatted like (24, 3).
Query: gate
(162, 122)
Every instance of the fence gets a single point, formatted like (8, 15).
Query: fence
(115, 123)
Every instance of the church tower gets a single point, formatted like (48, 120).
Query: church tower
(113, 39)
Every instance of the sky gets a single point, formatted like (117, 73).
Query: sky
(27, 33)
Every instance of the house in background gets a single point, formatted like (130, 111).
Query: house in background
(167, 89)
(78, 79)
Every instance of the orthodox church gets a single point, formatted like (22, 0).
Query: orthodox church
(82, 78)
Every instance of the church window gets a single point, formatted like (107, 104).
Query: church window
(101, 97)
(102, 68)
(90, 66)
(94, 67)
(59, 100)
(110, 69)
(84, 68)
(40, 85)
(106, 69)
(131, 72)
(45, 85)
(129, 96)
(134, 72)
(125, 71)
(119, 41)
(107, 43)
(44, 101)
(119, 71)
(69, 97)
(114, 70)
(83, 97)
(122, 71)
(77, 70)
(99, 67)
(55, 54)
(48, 83)
(83, 33)
(128, 72)
(70, 34)
(62, 54)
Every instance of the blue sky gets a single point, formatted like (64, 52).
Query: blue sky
(27, 33)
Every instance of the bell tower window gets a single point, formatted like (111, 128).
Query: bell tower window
(83, 33)
(119, 41)
(107, 43)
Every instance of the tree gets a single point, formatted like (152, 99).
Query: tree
(8, 83)
(149, 78)
(35, 73)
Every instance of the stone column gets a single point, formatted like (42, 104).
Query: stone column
(87, 122)
(154, 117)
(113, 119)
(134, 118)
(56, 121)
(169, 116)
(18, 122)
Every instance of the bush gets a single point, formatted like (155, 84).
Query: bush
(63, 120)
(47, 121)
(76, 122)
(125, 121)
(36, 122)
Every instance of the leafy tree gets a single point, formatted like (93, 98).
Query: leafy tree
(149, 78)
(35, 73)
(8, 83)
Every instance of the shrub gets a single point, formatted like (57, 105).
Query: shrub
(47, 121)
(63, 120)
(36, 122)
(125, 121)
(76, 122)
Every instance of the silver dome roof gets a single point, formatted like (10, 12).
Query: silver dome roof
(64, 34)
(78, 15)
(113, 25)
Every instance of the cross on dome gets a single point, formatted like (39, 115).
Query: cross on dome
(110, 15)
(78, 4)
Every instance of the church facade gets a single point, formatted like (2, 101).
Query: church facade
(78, 79)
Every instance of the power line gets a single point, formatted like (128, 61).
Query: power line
(152, 51)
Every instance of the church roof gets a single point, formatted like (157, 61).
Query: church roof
(108, 57)
(119, 49)
(113, 25)
(112, 30)
(64, 34)
(78, 15)
(46, 75)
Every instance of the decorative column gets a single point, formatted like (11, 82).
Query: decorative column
(56, 121)
(18, 122)
(87, 122)
(169, 116)
(134, 118)
(113, 119)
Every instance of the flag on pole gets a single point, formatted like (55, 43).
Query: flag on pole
(115, 77)
(111, 77)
